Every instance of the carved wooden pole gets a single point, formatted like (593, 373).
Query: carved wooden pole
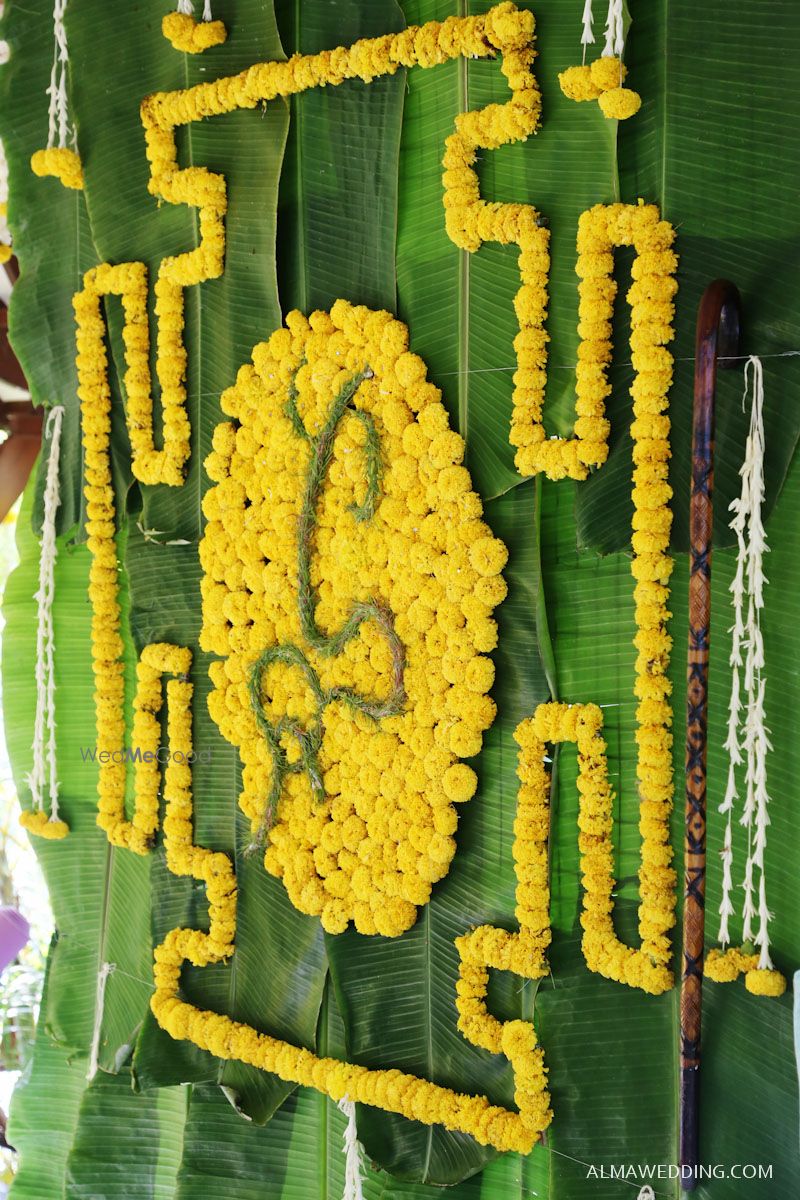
(717, 337)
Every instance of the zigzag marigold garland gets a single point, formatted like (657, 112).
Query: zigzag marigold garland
(392, 1090)
(651, 296)
(523, 953)
(470, 220)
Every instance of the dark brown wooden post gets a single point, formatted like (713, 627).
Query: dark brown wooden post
(717, 337)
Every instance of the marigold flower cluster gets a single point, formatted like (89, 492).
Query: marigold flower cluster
(62, 163)
(40, 823)
(602, 81)
(724, 966)
(191, 36)
(488, 947)
(347, 543)
(392, 1090)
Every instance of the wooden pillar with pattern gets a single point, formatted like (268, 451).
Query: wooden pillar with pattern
(717, 337)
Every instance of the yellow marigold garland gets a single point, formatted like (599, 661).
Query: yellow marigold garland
(602, 81)
(95, 397)
(600, 230)
(60, 162)
(350, 582)
(391, 1090)
(645, 967)
(43, 825)
(651, 297)
(191, 36)
(129, 280)
(523, 953)
(724, 966)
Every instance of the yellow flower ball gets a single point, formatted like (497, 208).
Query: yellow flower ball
(459, 783)
(608, 73)
(620, 103)
(488, 556)
(765, 983)
(577, 84)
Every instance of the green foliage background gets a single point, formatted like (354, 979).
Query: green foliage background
(339, 194)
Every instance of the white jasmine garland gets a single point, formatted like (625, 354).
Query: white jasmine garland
(747, 739)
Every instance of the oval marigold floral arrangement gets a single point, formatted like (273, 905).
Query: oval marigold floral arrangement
(349, 583)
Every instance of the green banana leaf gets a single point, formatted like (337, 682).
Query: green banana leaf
(714, 146)
(361, 162)
(100, 896)
(52, 240)
(140, 1161)
(41, 1130)
(341, 158)
(225, 317)
(273, 941)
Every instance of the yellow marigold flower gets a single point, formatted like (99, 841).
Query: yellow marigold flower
(43, 825)
(459, 783)
(61, 162)
(620, 103)
(190, 36)
(488, 556)
(578, 83)
(608, 73)
(357, 661)
(765, 983)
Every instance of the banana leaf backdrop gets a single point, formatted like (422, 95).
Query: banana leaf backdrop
(346, 183)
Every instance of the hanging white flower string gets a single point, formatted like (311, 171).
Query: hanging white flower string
(60, 130)
(353, 1188)
(106, 969)
(615, 30)
(587, 36)
(60, 158)
(186, 8)
(43, 777)
(747, 738)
